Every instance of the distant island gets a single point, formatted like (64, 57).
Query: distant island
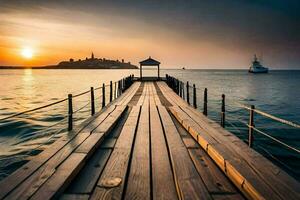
(87, 63)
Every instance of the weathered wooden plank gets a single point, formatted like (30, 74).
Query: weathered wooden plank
(138, 184)
(25, 171)
(224, 157)
(153, 94)
(108, 143)
(91, 143)
(137, 95)
(74, 197)
(166, 91)
(117, 164)
(56, 184)
(128, 94)
(278, 180)
(190, 143)
(163, 185)
(32, 184)
(89, 175)
(88, 146)
(118, 127)
(227, 197)
(182, 131)
(164, 101)
(213, 178)
(110, 121)
(143, 96)
(195, 131)
(97, 136)
(189, 183)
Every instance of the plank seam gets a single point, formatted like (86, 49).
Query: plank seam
(130, 157)
(179, 194)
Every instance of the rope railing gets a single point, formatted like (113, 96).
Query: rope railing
(34, 109)
(272, 117)
(79, 109)
(54, 103)
(46, 134)
(176, 85)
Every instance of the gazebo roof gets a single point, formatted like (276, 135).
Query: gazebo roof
(149, 62)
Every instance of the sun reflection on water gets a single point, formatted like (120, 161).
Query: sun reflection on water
(28, 89)
(28, 77)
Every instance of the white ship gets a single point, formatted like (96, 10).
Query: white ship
(256, 67)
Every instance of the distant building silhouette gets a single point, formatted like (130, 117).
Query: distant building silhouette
(96, 63)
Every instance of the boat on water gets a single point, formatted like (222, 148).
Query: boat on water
(256, 67)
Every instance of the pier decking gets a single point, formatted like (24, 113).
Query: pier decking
(149, 144)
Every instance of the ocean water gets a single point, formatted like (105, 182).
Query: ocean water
(276, 93)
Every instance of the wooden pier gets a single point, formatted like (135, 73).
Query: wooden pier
(149, 144)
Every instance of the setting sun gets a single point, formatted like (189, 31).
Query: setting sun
(27, 53)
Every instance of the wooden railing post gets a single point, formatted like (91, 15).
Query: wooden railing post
(183, 93)
(92, 101)
(251, 125)
(205, 102)
(123, 85)
(223, 111)
(194, 96)
(177, 86)
(180, 89)
(115, 92)
(187, 92)
(70, 112)
(119, 88)
(111, 92)
(103, 95)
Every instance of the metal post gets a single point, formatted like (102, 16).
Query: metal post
(103, 95)
(187, 92)
(205, 102)
(92, 101)
(194, 96)
(111, 92)
(70, 119)
(251, 125)
(223, 111)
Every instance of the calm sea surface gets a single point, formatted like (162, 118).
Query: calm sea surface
(277, 93)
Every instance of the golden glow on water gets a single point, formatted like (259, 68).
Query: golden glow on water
(27, 77)
(28, 89)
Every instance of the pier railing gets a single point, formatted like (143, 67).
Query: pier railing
(189, 93)
(73, 108)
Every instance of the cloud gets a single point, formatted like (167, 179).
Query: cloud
(236, 29)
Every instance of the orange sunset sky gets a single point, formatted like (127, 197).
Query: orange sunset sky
(190, 34)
